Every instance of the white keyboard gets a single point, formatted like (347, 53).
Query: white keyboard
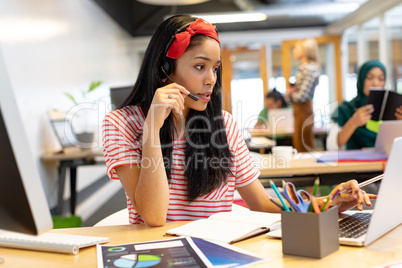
(53, 242)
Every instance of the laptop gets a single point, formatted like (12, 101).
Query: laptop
(387, 213)
(388, 131)
(281, 119)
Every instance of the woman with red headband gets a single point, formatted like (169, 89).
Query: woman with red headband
(176, 153)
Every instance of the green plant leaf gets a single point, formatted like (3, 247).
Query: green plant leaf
(94, 85)
(71, 97)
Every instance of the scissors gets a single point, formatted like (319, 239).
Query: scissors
(299, 200)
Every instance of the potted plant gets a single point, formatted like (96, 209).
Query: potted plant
(80, 110)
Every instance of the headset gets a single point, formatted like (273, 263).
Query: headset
(167, 64)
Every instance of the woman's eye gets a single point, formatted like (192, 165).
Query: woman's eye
(199, 67)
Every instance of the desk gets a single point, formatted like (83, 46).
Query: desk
(71, 161)
(319, 133)
(282, 132)
(305, 165)
(384, 250)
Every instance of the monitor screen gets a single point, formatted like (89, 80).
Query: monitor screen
(23, 205)
(65, 133)
(118, 95)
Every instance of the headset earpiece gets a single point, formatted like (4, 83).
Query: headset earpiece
(167, 66)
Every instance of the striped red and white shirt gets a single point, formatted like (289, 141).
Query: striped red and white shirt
(122, 145)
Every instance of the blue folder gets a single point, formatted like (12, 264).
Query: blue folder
(353, 155)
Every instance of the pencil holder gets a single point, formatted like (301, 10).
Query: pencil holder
(309, 234)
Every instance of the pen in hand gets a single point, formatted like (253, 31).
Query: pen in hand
(336, 190)
(369, 181)
(192, 96)
(365, 183)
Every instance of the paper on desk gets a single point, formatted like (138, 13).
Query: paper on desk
(176, 252)
(224, 255)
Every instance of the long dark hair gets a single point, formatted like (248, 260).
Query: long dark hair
(202, 148)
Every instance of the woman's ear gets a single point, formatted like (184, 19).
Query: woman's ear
(164, 80)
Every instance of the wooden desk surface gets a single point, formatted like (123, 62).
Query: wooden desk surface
(282, 132)
(72, 154)
(384, 250)
(306, 164)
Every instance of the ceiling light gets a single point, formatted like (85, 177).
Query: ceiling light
(172, 2)
(233, 17)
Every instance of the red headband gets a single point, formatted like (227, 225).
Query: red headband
(182, 39)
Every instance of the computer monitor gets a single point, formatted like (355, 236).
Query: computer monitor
(118, 95)
(23, 205)
(65, 133)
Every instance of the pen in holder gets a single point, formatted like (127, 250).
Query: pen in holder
(310, 234)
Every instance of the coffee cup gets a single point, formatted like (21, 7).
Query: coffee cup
(284, 153)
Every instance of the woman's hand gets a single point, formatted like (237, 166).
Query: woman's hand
(358, 119)
(398, 113)
(165, 99)
(362, 115)
(351, 196)
(291, 89)
(260, 125)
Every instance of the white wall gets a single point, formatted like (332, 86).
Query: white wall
(51, 47)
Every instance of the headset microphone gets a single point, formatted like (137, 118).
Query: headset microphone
(192, 96)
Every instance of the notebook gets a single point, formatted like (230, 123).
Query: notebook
(228, 227)
(387, 213)
(385, 103)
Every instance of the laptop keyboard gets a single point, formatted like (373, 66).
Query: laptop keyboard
(355, 225)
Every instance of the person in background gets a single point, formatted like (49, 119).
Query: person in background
(273, 100)
(348, 130)
(179, 159)
(302, 92)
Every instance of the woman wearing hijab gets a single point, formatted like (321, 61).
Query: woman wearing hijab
(349, 128)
